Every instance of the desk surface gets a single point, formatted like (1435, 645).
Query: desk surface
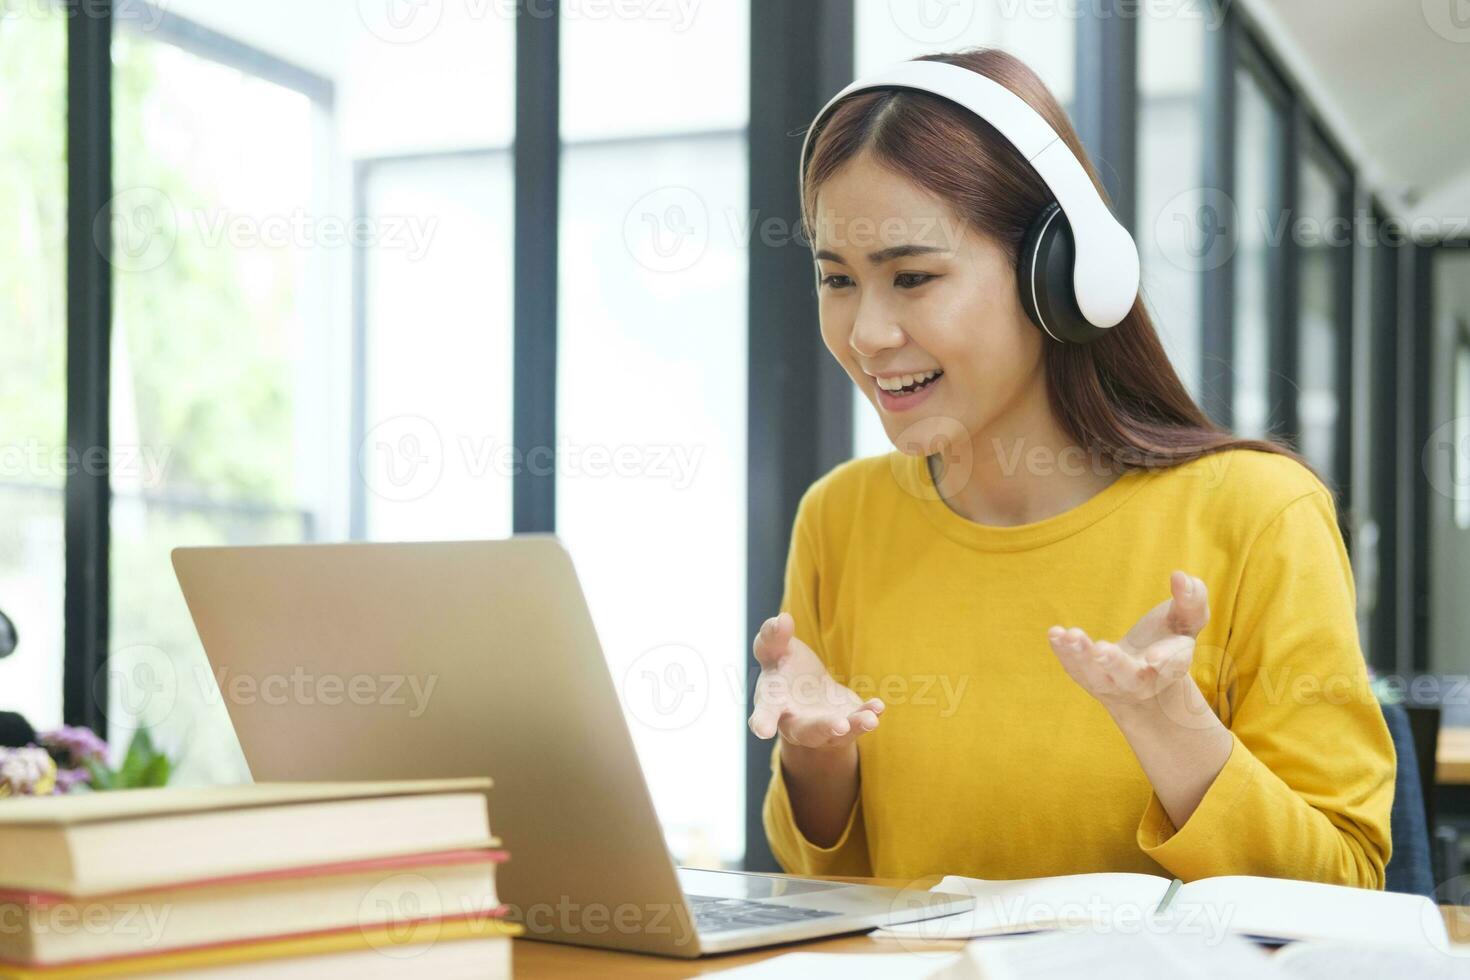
(1452, 760)
(535, 960)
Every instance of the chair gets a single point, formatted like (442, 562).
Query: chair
(7, 636)
(1409, 868)
(15, 731)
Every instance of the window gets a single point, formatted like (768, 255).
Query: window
(1460, 457)
(1044, 36)
(33, 460)
(1323, 323)
(1260, 136)
(435, 458)
(651, 391)
(219, 380)
(238, 335)
(1377, 568)
(427, 118)
(1178, 224)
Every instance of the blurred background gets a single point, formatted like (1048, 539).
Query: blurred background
(425, 269)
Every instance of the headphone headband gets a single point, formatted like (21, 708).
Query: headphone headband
(1106, 273)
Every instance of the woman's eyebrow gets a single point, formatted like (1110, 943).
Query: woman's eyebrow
(884, 254)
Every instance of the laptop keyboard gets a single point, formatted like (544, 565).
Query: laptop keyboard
(713, 914)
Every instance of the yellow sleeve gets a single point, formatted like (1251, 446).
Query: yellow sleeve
(796, 854)
(1308, 786)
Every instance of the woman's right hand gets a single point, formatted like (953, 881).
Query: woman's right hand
(798, 698)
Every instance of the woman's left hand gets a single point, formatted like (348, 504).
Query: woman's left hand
(1154, 656)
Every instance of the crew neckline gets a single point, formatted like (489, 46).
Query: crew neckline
(1015, 537)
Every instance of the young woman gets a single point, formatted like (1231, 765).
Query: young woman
(1070, 625)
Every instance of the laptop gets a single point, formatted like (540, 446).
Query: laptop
(369, 661)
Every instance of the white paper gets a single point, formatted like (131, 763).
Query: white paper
(1113, 956)
(1363, 961)
(1285, 909)
(1026, 904)
(1277, 908)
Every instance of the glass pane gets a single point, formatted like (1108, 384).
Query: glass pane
(1042, 35)
(611, 52)
(1258, 148)
(238, 324)
(1176, 220)
(1460, 458)
(652, 457)
(218, 372)
(435, 456)
(33, 459)
(888, 31)
(1320, 328)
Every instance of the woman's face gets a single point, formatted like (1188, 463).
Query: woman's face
(904, 288)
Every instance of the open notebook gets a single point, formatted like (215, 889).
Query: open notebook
(1098, 956)
(1275, 909)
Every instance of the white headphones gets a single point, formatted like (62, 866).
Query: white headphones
(1078, 267)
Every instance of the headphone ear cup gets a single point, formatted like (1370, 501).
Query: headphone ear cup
(1044, 277)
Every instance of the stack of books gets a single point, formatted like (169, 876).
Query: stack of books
(354, 880)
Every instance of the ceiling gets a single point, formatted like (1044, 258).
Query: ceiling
(1390, 78)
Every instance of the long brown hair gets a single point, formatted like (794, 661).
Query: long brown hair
(1118, 393)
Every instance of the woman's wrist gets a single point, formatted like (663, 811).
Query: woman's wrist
(1180, 742)
(802, 760)
(1181, 705)
(822, 785)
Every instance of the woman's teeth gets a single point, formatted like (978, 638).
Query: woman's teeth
(908, 383)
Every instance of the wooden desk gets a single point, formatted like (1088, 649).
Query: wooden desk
(535, 960)
(1452, 757)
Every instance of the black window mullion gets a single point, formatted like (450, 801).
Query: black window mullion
(88, 362)
(1382, 406)
(537, 180)
(1342, 310)
(1217, 283)
(357, 501)
(1418, 354)
(1106, 112)
(799, 399)
(1283, 287)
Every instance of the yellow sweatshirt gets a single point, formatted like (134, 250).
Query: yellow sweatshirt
(991, 762)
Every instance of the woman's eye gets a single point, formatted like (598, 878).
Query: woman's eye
(908, 280)
(833, 280)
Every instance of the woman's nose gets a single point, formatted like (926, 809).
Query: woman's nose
(871, 336)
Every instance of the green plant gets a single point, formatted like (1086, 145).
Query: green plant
(144, 765)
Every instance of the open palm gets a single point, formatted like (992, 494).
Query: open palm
(798, 698)
(1151, 658)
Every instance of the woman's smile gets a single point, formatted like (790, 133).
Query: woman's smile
(910, 396)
